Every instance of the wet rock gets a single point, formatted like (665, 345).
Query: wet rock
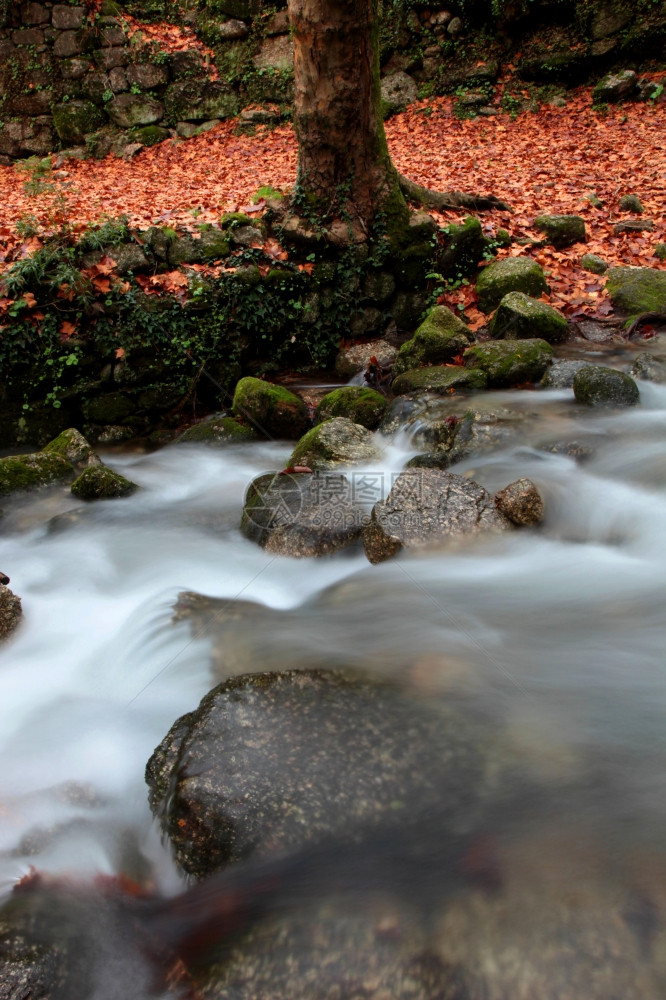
(218, 431)
(274, 761)
(521, 502)
(10, 611)
(360, 405)
(635, 290)
(302, 514)
(271, 409)
(73, 447)
(97, 482)
(352, 360)
(398, 90)
(335, 442)
(648, 368)
(596, 385)
(508, 363)
(561, 230)
(561, 374)
(513, 274)
(439, 338)
(631, 203)
(521, 317)
(26, 472)
(427, 508)
(594, 264)
(439, 378)
(615, 87)
(482, 432)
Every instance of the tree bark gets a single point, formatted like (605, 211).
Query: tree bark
(344, 170)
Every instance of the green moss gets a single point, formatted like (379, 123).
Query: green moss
(513, 274)
(268, 194)
(439, 378)
(231, 219)
(561, 230)
(595, 385)
(660, 251)
(520, 317)
(99, 483)
(271, 409)
(595, 265)
(149, 135)
(26, 472)
(635, 290)
(465, 246)
(76, 119)
(72, 446)
(361, 405)
(218, 431)
(506, 363)
(334, 442)
(439, 338)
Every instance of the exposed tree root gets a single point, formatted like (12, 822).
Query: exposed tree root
(441, 200)
(648, 317)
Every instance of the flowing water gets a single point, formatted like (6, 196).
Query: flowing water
(560, 631)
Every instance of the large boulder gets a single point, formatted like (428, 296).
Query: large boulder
(440, 337)
(512, 274)
(271, 409)
(427, 508)
(10, 611)
(507, 363)
(302, 514)
(520, 317)
(26, 472)
(217, 431)
(561, 230)
(596, 385)
(635, 290)
(352, 360)
(360, 405)
(272, 761)
(439, 378)
(97, 482)
(333, 443)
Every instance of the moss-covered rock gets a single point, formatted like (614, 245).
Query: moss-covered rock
(361, 405)
(27, 472)
(112, 408)
(506, 363)
(97, 482)
(149, 135)
(596, 385)
(463, 249)
(594, 264)
(520, 317)
(128, 110)
(335, 442)
(561, 230)
(615, 87)
(635, 290)
(272, 410)
(76, 119)
(218, 431)
(513, 274)
(439, 338)
(439, 378)
(214, 244)
(72, 446)
(631, 203)
(660, 251)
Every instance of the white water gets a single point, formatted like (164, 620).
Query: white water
(564, 628)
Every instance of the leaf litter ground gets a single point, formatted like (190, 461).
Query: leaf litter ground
(548, 162)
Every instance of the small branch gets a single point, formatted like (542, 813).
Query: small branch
(441, 200)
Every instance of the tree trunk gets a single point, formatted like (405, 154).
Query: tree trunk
(345, 173)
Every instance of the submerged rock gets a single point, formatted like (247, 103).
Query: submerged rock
(272, 761)
(97, 482)
(10, 611)
(302, 514)
(361, 405)
(218, 431)
(335, 442)
(520, 317)
(27, 472)
(482, 432)
(512, 274)
(507, 363)
(427, 508)
(72, 446)
(596, 385)
(270, 409)
(521, 502)
(648, 368)
(439, 338)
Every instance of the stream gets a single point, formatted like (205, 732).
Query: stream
(561, 631)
